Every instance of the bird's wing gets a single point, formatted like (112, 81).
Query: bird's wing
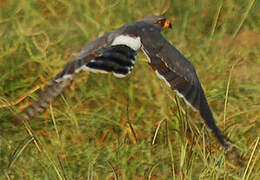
(101, 55)
(178, 73)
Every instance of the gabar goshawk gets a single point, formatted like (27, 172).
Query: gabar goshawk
(116, 52)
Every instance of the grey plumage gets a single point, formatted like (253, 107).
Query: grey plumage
(116, 51)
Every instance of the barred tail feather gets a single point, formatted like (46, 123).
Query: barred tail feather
(50, 92)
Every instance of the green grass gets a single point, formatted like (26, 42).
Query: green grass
(132, 128)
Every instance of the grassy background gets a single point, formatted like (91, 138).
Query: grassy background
(132, 128)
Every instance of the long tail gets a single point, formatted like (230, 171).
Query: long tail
(50, 92)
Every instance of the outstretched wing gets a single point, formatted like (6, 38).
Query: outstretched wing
(101, 55)
(178, 73)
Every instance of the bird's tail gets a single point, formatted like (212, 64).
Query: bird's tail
(50, 92)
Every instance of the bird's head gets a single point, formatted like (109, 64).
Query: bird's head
(159, 21)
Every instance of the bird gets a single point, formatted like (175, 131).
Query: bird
(115, 52)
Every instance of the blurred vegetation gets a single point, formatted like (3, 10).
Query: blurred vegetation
(132, 128)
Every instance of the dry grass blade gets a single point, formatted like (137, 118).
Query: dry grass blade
(151, 171)
(18, 151)
(129, 121)
(249, 161)
(214, 23)
(250, 4)
(54, 122)
(226, 95)
(114, 171)
(170, 151)
(28, 129)
(22, 97)
(156, 131)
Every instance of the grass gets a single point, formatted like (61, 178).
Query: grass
(132, 128)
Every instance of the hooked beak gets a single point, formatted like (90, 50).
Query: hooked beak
(167, 24)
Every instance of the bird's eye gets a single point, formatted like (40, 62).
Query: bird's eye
(161, 22)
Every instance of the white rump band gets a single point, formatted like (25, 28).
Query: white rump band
(132, 42)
